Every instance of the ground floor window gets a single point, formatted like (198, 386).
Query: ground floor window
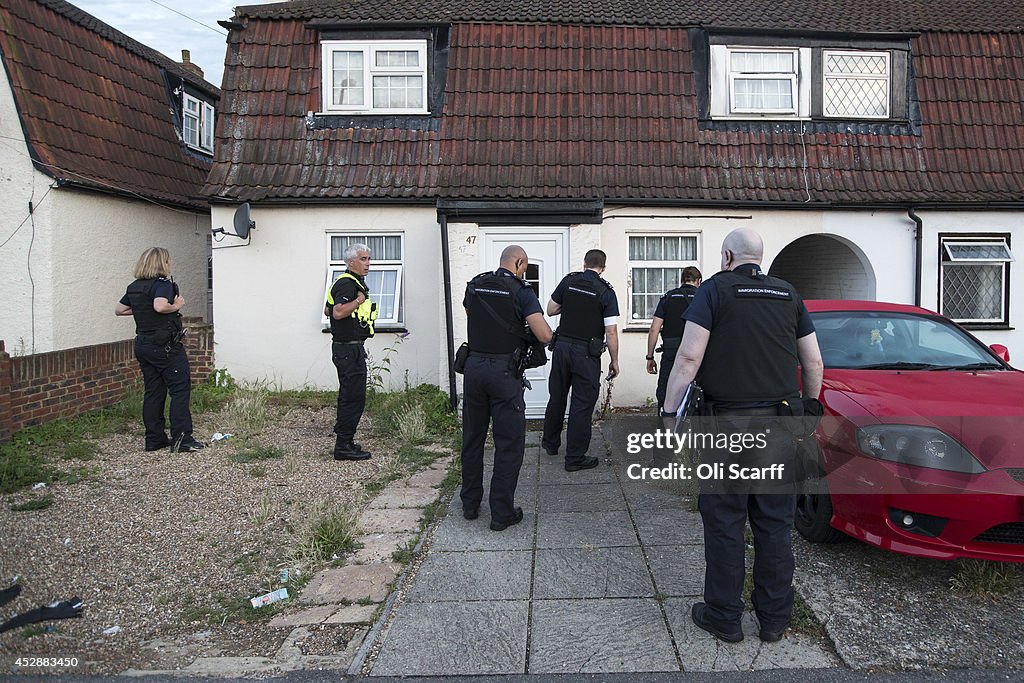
(385, 277)
(656, 263)
(974, 282)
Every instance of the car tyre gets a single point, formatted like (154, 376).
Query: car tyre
(813, 519)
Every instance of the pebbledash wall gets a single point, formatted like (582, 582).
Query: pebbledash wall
(38, 388)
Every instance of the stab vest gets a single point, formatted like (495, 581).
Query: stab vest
(676, 302)
(752, 353)
(147, 320)
(486, 334)
(582, 309)
(359, 325)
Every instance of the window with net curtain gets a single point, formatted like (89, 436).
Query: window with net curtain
(368, 77)
(385, 277)
(656, 263)
(974, 276)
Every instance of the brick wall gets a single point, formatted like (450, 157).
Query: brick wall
(48, 386)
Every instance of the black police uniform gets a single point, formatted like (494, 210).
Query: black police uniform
(349, 357)
(749, 367)
(493, 390)
(163, 362)
(671, 307)
(586, 300)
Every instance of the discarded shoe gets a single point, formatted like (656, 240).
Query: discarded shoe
(697, 614)
(501, 526)
(585, 464)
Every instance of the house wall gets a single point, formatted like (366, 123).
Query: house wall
(70, 262)
(270, 296)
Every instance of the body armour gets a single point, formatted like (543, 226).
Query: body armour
(676, 302)
(582, 309)
(147, 320)
(486, 335)
(752, 353)
(359, 325)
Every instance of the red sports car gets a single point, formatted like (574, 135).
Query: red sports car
(922, 443)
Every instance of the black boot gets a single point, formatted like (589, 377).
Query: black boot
(344, 449)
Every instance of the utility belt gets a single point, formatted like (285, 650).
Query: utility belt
(595, 345)
(352, 341)
(166, 339)
(495, 356)
(800, 415)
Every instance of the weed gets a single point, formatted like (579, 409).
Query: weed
(405, 554)
(367, 600)
(32, 631)
(412, 425)
(257, 453)
(412, 459)
(34, 504)
(331, 533)
(247, 409)
(257, 471)
(304, 398)
(264, 511)
(377, 372)
(986, 579)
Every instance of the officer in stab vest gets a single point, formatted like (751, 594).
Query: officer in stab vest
(590, 314)
(499, 306)
(352, 314)
(746, 334)
(154, 301)
(668, 321)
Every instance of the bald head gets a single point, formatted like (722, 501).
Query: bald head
(744, 245)
(513, 258)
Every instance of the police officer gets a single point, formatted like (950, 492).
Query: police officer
(154, 301)
(590, 314)
(352, 314)
(746, 333)
(668, 321)
(499, 305)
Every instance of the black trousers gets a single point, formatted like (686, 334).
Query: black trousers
(350, 362)
(492, 395)
(164, 370)
(668, 359)
(576, 371)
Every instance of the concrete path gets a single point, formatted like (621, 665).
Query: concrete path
(598, 578)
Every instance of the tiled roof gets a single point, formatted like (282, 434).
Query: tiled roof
(576, 112)
(801, 15)
(95, 106)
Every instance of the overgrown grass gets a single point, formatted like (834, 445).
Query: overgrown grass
(34, 504)
(391, 409)
(985, 579)
(330, 534)
(304, 398)
(257, 453)
(247, 408)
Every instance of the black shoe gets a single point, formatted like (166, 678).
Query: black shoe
(697, 614)
(349, 451)
(584, 464)
(186, 444)
(501, 526)
(549, 450)
(158, 446)
(771, 634)
(471, 513)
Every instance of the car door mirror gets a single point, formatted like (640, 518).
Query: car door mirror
(1001, 351)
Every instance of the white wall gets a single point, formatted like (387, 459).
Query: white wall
(269, 295)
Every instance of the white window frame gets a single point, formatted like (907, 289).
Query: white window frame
(336, 267)
(723, 80)
(205, 120)
(826, 75)
(948, 258)
(643, 263)
(369, 50)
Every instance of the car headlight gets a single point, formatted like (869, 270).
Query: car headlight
(920, 446)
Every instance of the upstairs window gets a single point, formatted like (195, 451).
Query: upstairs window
(975, 273)
(197, 123)
(856, 84)
(375, 77)
(777, 82)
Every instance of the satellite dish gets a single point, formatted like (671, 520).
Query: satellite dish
(243, 222)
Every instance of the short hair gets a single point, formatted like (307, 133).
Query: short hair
(152, 264)
(595, 258)
(353, 250)
(692, 274)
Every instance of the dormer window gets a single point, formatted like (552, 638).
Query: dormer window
(197, 123)
(374, 77)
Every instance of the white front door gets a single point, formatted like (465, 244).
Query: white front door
(549, 263)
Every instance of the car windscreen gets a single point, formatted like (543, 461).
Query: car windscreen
(897, 341)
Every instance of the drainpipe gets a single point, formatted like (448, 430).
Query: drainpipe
(446, 269)
(919, 253)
